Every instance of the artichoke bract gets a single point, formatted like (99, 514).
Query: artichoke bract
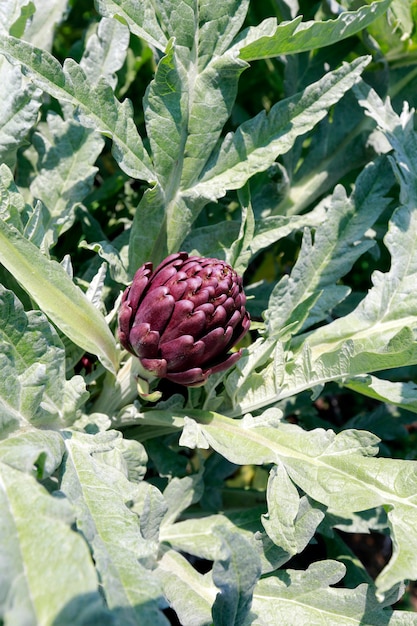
(182, 319)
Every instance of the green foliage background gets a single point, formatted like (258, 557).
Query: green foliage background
(280, 137)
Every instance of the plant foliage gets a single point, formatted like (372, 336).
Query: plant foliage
(278, 136)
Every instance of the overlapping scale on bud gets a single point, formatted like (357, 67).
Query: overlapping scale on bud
(182, 319)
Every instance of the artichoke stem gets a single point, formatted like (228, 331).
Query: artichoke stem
(124, 389)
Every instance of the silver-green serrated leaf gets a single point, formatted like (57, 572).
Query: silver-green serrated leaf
(67, 152)
(269, 230)
(35, 452)
(11, 13)
(258, 376)
(32, 386)
(383, 326)
(339, 471)
(338, 242)
(165, 108)
(20, 105)
(197, 535)
(46, 572)
(380, 333)
(185, 112)
(401, 394)
(113, 258)
(96, 481)
(235, 572)
(180, 493)
(269, 39)
(256, 143)
(309, 597)
(214, 92)
(239, 253)
(142, 19)
(41, 28)
(96, 106)
(289, 522)
(212, 240)
(190, 593)
(105, 51)
(337, 146)
(219, 23)
(187, 109)
(63, 302)
(12, 205)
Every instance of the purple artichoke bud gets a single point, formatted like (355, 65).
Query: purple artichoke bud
(182, 319)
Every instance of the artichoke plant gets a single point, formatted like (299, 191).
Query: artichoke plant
(182, 319)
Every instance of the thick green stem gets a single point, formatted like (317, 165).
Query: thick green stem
(122, 390)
